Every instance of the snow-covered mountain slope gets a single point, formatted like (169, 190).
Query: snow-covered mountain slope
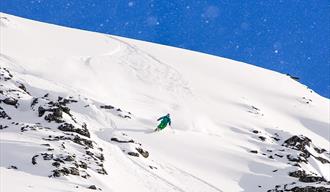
(77, 111)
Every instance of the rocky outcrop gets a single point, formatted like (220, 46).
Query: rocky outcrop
(70, 149)
(297, 142)
(122, 141)
(297, 151)
(10, 101)
(306, 178)
(117, 111)
(71, 128)
(143, 152)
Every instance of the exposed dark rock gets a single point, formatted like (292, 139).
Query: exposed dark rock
(305, 154)
(65, 110)
(297, 159)
(3, 127)
(322, 160)
(309, 189)
(253, 151)
(311, 179)
(57, 112)
(64, 171)
(106, 107)
(121, 141)
(74, 171)
(262, 138)
(100, 157)
(303, 177)
(307, 101)
(12, 167)
(92, 187)
(34, 161)
(47, 156)
(276, 138)
(297, 142)
(27, 127)
(255, 131)
(293, 77)
(69, 158)
(144, 153)
(320, 151)
(89, 153)
(295, 164)
(133, 154)
(58, 160)
(82, 141)
(10, 101)
(70, 128)
(82, 165)
(22, 86)
(297, 174)
(62, 101)
(4, 115)
(280, 156)
(56, 164)
(56, 173)
(152, 167)
(84, 131)
(6, 75)
(255, 108)
(55, 116)
(66, 127)
(41, 111)
(102, 171)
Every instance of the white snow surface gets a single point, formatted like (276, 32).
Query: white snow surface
(215, 104)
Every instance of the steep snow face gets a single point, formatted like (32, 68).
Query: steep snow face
(79, 107)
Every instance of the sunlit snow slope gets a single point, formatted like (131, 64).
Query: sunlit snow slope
(77, 110)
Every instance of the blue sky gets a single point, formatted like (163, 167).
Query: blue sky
(289, 36)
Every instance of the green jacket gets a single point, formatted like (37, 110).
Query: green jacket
(164, 121)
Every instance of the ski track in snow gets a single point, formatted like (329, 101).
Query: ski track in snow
(158, 177)
(176, 81)
(199, 179)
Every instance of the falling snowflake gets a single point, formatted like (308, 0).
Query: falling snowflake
(152, 21)
(211, 12)
(130, 4)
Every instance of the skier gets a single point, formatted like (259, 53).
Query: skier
(164, 121)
